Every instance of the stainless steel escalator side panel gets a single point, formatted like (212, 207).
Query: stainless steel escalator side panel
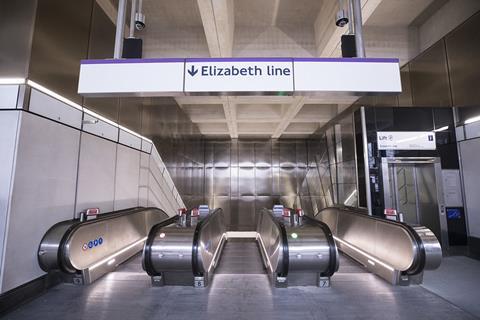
(296, 254)
(395, 251)
(180, 254)
(211, 238)
(92, 248)
(50, 245)
(171, 249)
(433, 249)
(309, 249)
(272, 244)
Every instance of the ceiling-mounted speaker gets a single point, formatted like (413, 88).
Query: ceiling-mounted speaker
(349, 49)
(132, 48)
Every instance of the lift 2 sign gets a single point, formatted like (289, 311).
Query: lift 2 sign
(408, 140)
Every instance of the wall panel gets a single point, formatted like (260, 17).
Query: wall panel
(9, 121)
(126, 178)
(43, 193)
(96, 174)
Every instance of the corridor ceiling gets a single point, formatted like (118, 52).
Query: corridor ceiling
(271, 28)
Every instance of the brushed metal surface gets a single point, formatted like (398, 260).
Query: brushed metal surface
(170, 250)
(263, 154)
(405, 98)
(56, 51)
(263, 181)
(118, 230)
(385, 247)
(271, 242)
(16, 18)
(463, 48)
(429, 78)
(299, 251)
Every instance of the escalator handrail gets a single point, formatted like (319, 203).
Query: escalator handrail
(333, 263)
(419, 260)
(196, 268)
(61, 256)
(147, 249)
(283, 234)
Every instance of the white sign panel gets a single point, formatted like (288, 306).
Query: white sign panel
(347, 75)
(142, 76)
(239, 75)
(452, 188)
(223, 76)
(408, 140)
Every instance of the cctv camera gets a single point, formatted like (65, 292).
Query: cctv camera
(139, 21)
(342, 18)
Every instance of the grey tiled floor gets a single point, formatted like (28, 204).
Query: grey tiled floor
(127, 294)
(457, 280)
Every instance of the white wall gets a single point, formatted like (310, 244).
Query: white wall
(96, 174)
(51, 169)
(127, 178)
(8, 139)
(470, 153)
(43, 193)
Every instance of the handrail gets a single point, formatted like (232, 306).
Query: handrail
(196, 237)
(283, 234)
(419, 260)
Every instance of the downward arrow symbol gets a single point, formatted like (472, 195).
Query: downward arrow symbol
(192, 71)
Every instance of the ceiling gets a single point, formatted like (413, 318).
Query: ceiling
(270, 28)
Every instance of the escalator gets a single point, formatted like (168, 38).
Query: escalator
(83, 251)
(290, 248)
(395, 251)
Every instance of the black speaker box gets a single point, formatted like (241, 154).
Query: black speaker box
(132, 48)
(349, 49)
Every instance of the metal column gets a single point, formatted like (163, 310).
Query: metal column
(120, 29)
(368, 194)
(357, 13)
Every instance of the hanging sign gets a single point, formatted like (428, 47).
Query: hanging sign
(245, 76)
(406, 140)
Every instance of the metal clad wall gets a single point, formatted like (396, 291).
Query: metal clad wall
(463, 49)
(241, 176)
(43, 193)
(60, 41)
(16, 31)
(429, 78)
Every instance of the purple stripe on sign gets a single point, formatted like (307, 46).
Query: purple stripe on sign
(239, 60)
(376, 60)
(114, 61)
